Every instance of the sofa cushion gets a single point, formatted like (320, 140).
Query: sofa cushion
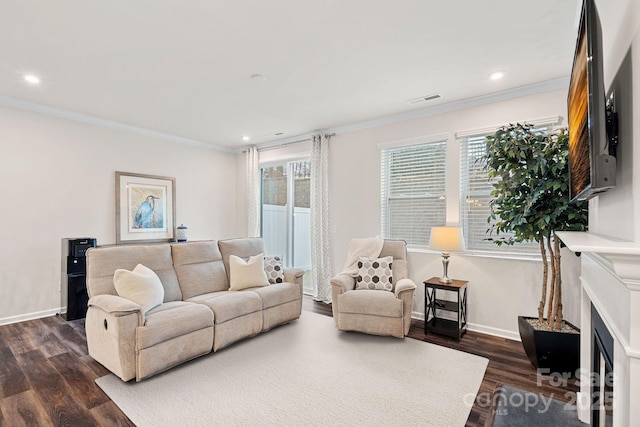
(274, 269)
(102, 262)
(141, 285)
(278, 293)
(375, 274)
(172, 320)
(371, 302)
(246, 274)
(228, 305)
(244, 248)
(199, 268)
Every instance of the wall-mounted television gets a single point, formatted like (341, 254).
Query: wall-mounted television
(592, 162)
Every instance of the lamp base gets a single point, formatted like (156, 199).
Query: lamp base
(445, 266)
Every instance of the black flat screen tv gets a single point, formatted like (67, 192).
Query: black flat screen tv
(592, 169)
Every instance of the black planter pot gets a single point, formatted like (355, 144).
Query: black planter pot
(550, 351)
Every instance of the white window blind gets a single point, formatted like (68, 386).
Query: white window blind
(475, 196)
(413, 191)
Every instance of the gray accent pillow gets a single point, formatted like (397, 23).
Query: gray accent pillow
(375, 274)
(274, 269)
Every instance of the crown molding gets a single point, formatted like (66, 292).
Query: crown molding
(540, 121)
(110, 124)
(518, 92)
(532, 89)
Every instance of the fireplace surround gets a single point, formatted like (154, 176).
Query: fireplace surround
(602, 370)
(610, 309)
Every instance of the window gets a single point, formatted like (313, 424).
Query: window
(413, 191)
(285, 212)
(475, 196)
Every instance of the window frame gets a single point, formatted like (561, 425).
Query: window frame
(525, 250)
(388, 195)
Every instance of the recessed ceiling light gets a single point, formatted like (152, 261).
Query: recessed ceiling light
(496, 75)
(34, 80)
(245, 138)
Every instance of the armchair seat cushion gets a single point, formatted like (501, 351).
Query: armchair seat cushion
(373, 302)
(171, 320)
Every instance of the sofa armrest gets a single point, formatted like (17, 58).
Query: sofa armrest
(405, 290)
(339, 285)
(343, 283)
(110, 326)
(404, 285)
(293, 275)
(114, 305)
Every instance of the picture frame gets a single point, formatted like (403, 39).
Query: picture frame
(145, 208)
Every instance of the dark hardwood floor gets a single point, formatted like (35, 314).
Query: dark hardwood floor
(47, 377)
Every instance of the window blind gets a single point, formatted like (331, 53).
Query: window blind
(413, 191)
(475, 197)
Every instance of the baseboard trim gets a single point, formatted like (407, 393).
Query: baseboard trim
(496, 332)
(487, 330)
(32, 316)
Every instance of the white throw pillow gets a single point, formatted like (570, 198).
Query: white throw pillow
(246, 274)
(375, 274)
(142, 286)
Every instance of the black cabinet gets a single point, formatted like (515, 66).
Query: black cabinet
(73, 285)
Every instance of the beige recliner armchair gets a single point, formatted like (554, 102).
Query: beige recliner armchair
(377, 312)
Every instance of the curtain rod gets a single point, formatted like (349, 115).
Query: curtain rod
(285, 144)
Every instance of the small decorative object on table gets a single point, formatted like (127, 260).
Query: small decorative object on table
(181, 233)
(440, 325)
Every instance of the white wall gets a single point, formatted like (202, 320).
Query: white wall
(499, 289)
(57, 179)
(616, 213)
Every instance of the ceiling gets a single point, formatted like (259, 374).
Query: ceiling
(183, 68)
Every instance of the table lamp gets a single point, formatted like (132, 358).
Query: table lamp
(446, 239)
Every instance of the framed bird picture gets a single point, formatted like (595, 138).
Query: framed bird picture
(145, 208)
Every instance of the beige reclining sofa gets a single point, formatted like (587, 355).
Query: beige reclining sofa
(199, 313)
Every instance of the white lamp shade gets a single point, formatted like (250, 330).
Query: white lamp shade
(447, 239)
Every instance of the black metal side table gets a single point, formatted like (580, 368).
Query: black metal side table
(440, 325)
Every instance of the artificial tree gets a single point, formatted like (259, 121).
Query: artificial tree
(529, 169)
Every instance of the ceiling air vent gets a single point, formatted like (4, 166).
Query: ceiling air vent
(423, 99)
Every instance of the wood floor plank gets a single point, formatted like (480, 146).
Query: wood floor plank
(47, 341)
(79, 378)
(108, 414)
(74, 338)
(18, 338)
(23, 409)
(12, 380)
(54, 393)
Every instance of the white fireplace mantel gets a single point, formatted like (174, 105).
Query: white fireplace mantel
(622, 257)
(610, 281)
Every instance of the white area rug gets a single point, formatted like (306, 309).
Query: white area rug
(309, 373)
